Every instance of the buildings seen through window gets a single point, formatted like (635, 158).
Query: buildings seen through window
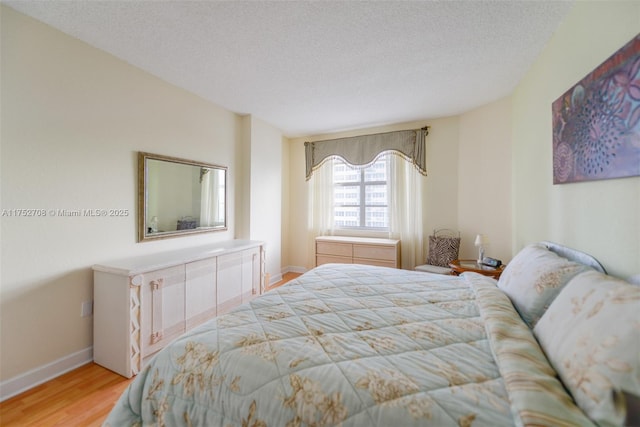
(360, 195)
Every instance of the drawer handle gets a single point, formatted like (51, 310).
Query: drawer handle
(156, 310)
(156, 284)
(155, 337)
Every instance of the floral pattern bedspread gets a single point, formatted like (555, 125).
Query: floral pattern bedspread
(354, 345)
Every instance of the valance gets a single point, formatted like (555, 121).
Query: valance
(364, 149)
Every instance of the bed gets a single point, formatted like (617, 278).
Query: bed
(554, 342)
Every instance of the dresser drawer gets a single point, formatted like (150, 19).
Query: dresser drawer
(328, 259)
(379, 263)
(358, 250)
(386, 253)
(162, 308)
(336, 249)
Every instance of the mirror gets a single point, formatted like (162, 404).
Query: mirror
(178, 197)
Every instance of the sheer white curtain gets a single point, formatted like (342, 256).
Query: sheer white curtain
(320, 191)
(206, 203)
(406, 191)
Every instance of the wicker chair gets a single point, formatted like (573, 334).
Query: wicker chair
(444, 246)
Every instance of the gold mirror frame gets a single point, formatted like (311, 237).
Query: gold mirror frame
(191, 223)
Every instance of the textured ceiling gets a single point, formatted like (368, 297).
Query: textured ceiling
(321, 66)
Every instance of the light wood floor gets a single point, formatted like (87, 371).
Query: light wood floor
(83, 397)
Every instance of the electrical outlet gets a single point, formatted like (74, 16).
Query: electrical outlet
(86, 309)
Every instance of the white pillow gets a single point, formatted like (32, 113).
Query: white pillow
(591, 335)
(534, 277)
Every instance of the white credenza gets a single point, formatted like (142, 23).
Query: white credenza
(143, 303)
(358, 250)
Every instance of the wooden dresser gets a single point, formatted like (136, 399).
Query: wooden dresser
(358, 250)
(143, 303)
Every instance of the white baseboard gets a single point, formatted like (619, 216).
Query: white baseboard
(37, 376)
(274, 279)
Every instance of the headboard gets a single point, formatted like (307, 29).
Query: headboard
(575, 255)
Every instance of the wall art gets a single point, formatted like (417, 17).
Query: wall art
(596, 123)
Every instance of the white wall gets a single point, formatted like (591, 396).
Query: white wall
(265, 191)
(285, 202)
(243, 189)
(73, 119)
(599, 217)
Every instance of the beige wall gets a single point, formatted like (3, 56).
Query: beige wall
(295, 230)
(465, 154)
(484, 170)
(73, 119)
(599, 217)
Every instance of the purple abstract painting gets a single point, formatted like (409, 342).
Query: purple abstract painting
(596, 123)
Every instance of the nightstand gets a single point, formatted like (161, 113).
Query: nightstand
(459, 266)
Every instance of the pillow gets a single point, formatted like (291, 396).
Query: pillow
(591, 335)
(443, 250)
(534, 277)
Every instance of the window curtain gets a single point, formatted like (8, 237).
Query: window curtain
(405, 211)
(363, 150)
(206, 204)
(407, 182)
(219, 206)
(320, 199)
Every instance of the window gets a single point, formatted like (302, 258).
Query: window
(360, 195)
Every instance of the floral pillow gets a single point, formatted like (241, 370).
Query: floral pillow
(591, 335)
(534, 277)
